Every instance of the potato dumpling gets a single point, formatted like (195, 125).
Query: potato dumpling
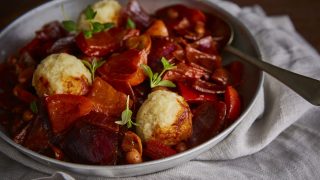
(164, 116)
(61, 74)
(108, 11)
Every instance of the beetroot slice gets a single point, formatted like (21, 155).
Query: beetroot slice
(90, 144)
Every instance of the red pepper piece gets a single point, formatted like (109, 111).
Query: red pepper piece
(208, 61)
(124, 67)
(208, 87)
(65, 109)
(236, 72)
(105, 42)
(23, 95)
(8, 101)
(232, 100)
(192, 95)
(184, 71)
(157, 150)
(221, 76)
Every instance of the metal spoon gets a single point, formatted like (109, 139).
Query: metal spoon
(306, 87)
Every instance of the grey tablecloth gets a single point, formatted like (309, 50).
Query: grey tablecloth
(279, 140)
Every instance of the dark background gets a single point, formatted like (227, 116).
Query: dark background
(305, 14)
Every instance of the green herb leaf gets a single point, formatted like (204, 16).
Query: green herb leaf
(126, 116)
(166, 83)
(95, 64)
(166, 64)
(156, 78)
(147, 70)
(98, 64)
(69, 25)
(86, 63)
(130, 24)
(90, 13)
(34, 107)
(87, 34)
(108, 26)
(97, 27)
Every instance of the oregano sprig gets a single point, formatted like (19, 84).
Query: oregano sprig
(69, 25)
(93, 66)
(95, 27)
(156, 78)
(126, 116)
(89, 13)
(130, 24)
(34, 107)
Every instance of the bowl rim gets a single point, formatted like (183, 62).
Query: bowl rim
(197, 149)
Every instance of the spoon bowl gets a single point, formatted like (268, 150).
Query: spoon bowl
(306, 87)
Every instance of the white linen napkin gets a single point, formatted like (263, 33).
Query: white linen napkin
(292, 155)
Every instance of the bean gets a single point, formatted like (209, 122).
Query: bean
(173, 14)
(181, 147)
(133, 157)
(27, 115)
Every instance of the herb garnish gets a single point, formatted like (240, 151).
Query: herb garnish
(95, 27)
(130, 24)
(95, 64)
(155, 78)
(34, 107)
(69, 25)
(126, 116)
(90, 13)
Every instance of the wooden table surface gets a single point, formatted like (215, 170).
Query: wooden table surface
(304, 14)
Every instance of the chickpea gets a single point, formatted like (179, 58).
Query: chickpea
(142, 42)
(133, 157)
(57, 152)
(131, 141)
(158, 28)
(173, 14)
(15, 91)
(199, 28)
(27, 115)
(181, 147)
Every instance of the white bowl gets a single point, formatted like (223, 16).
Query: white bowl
(22, 30)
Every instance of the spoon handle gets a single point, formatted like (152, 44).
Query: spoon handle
(306, 87)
